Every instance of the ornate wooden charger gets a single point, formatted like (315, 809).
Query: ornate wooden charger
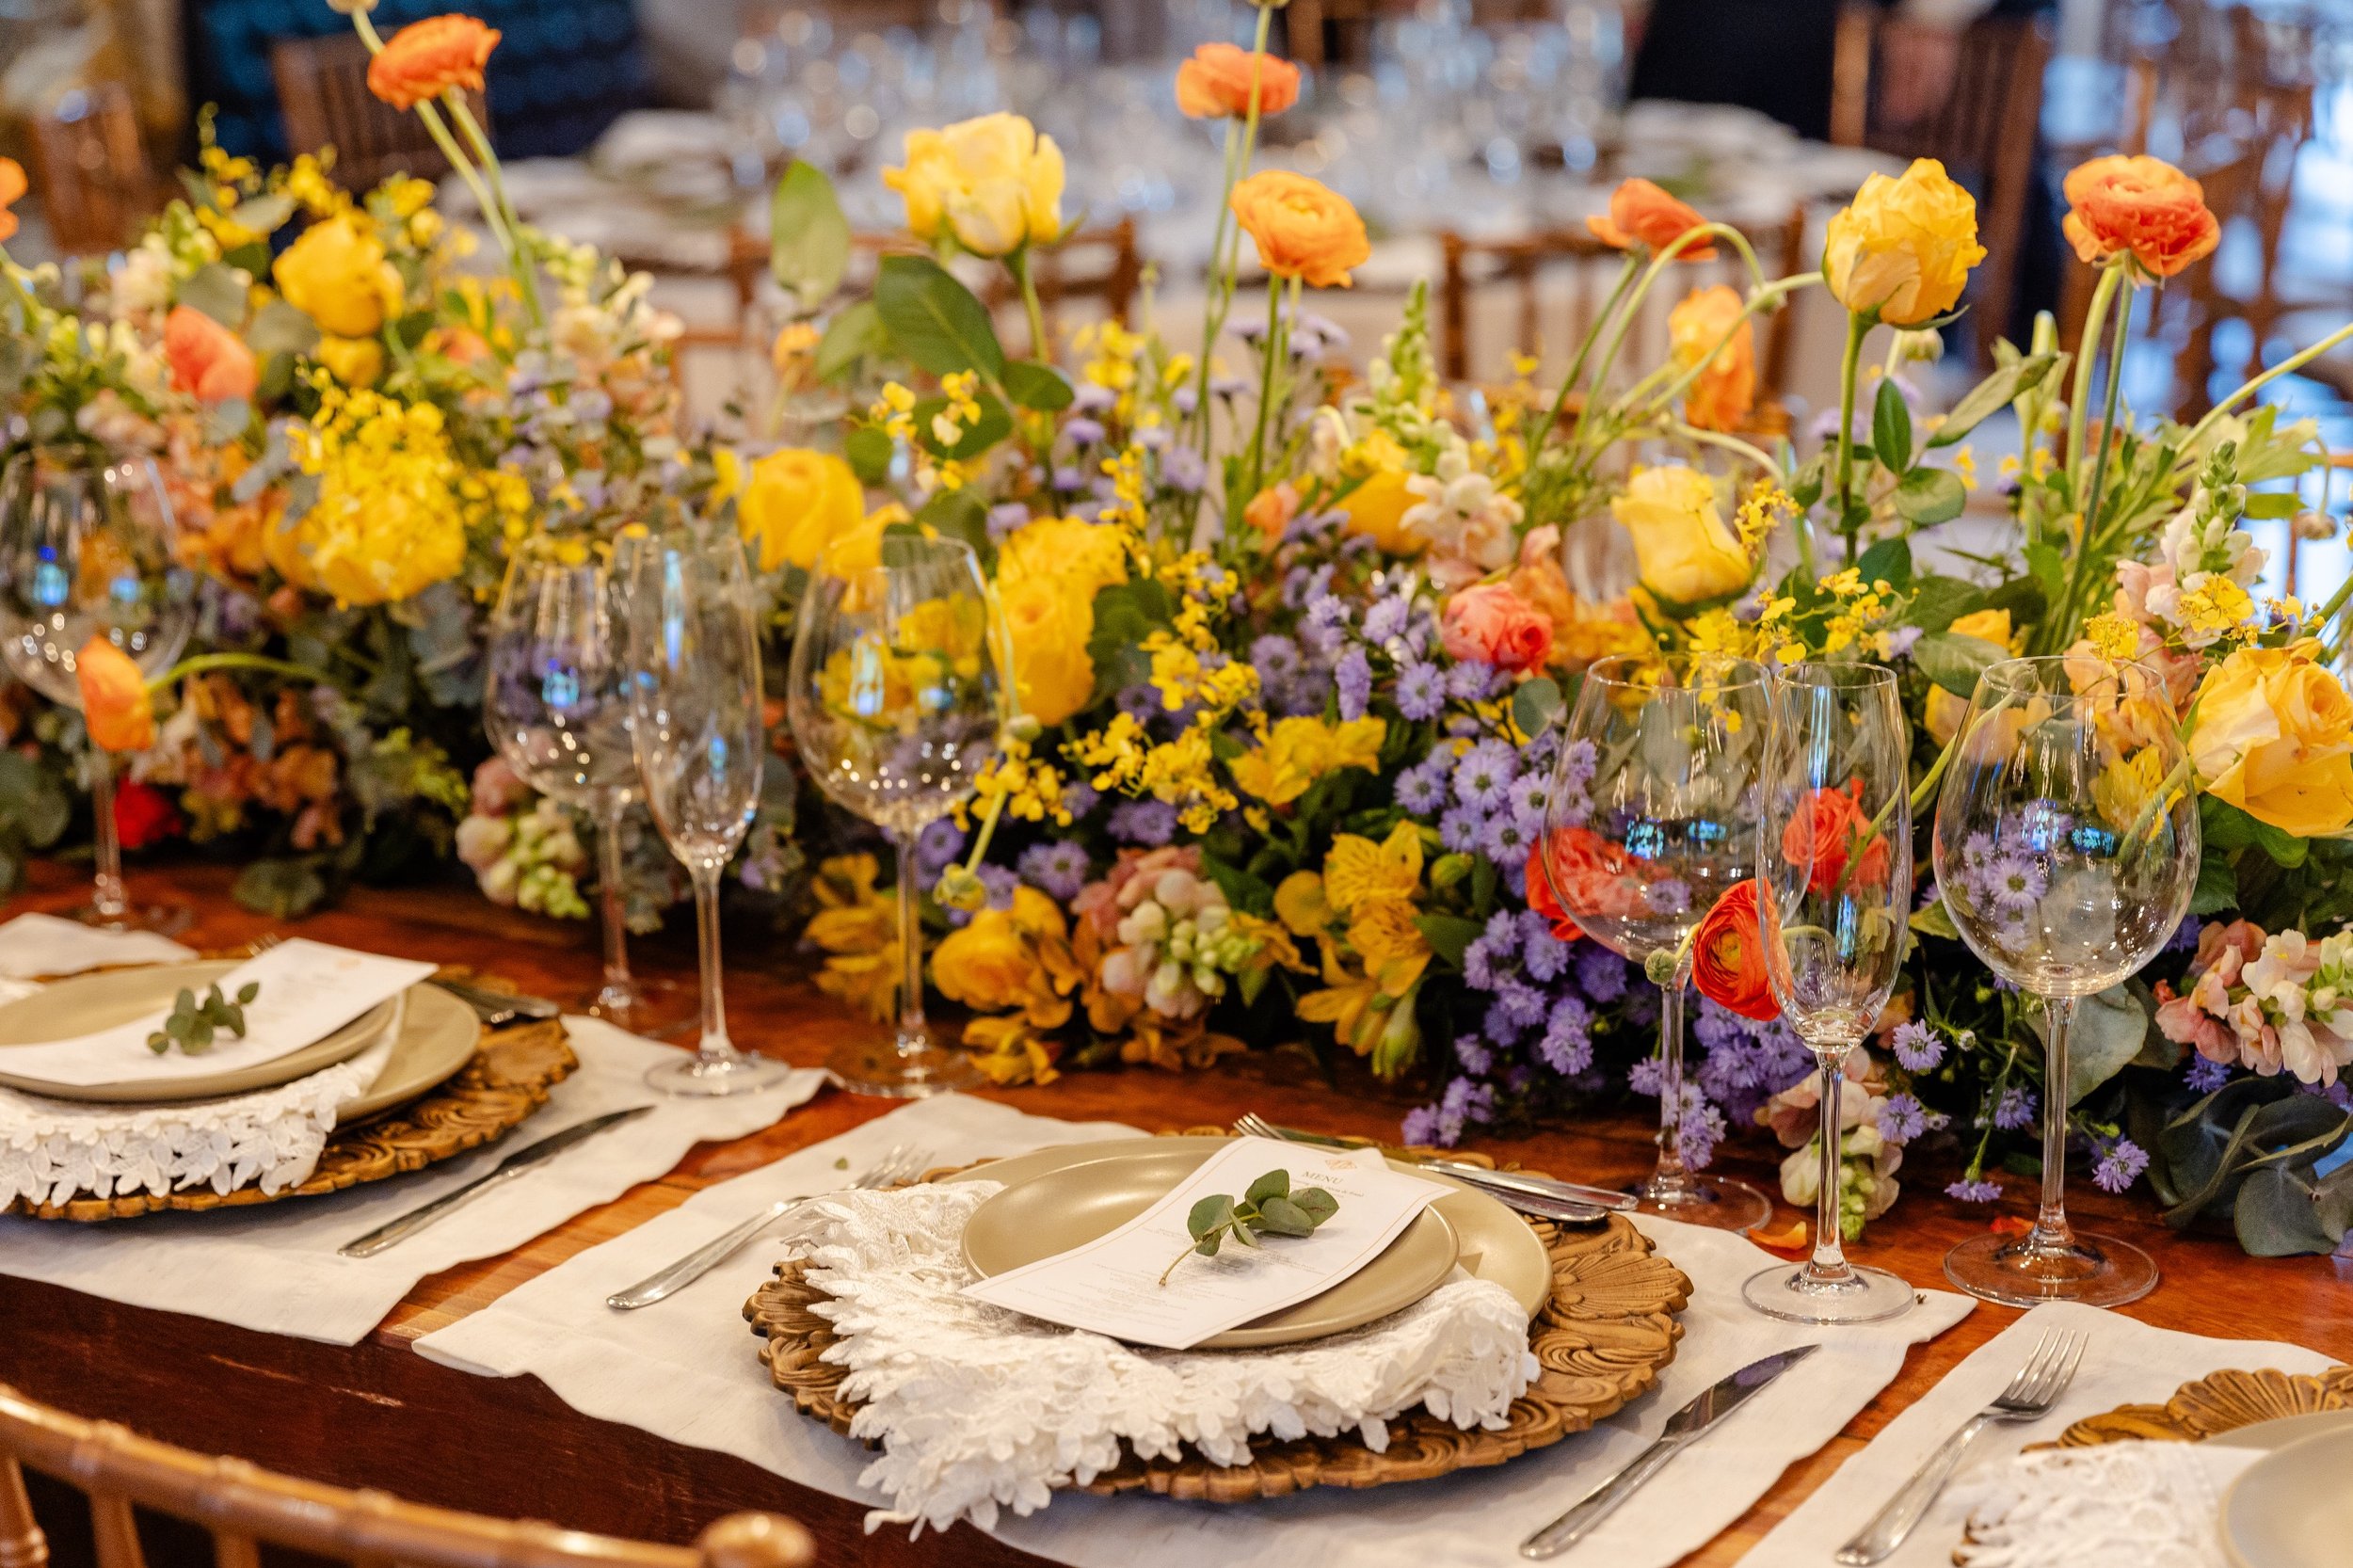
(2223, 1402)
(1599, 1344)
(507, 1079)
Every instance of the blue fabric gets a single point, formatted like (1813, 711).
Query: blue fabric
(564, 69)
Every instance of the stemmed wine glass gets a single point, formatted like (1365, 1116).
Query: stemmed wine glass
(2067, 846)
(696, 730)
(1833, 898)
(556, 705)
(86, 550)
(1652, 815)
(897, 700)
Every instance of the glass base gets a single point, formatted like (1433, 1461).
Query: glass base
(2097, 1270)
(660, 1009)
(699, 1076)
(902, 1072)
(1862, 1296)
(1725, 1204)
(162, 919)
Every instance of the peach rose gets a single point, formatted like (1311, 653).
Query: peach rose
(1302, 228)
(1492, 624)
(1216, 84)
(208, 360)
(1643, 214)
(1723, 392)
(426, 58)
(2141, 207)
(115, 707)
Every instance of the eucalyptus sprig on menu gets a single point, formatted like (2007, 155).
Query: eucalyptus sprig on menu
(192, 1024)
(1270, 1208)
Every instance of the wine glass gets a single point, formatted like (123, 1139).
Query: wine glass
(696, 732)
(556, 705)
(1652, 815)
(1834, 897)
(86, 550)
(897, 700)
(2066, 850)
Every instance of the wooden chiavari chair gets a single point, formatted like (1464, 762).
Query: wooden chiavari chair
(324, 99)
(92, 169)
(1972, 99)
(245, 1507)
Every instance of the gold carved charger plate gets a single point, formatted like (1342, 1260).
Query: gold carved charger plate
(496, 1081)
(1607, 1324)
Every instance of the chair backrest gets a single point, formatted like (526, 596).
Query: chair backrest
(1972, 99)
(324, 99)
(244, 1507)
(95, 183)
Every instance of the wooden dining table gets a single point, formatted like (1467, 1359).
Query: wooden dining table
(377, 1415)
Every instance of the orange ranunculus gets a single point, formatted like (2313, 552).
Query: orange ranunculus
(115, 704)
(2141, 207)
(12, 187)
(208, 360)
(1828, 832)
(1721, 394)
(1216, 84)
(426, 58)
(1303, 229)
(1728, 955)
(1641, 213)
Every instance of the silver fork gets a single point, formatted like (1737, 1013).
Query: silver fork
(901, 1163)
(2029, 1396)
(1585, 1203)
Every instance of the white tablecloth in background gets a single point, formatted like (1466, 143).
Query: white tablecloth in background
(274, 1266)
(687, 1371)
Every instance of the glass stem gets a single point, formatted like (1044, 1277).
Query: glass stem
(913, 1033)
(714, 1048)
(108, 897)
(1829, 1263)
(617, 987)
(1670, 1176)
(2052, 1232)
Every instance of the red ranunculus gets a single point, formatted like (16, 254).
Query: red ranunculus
(1728, 955)
(144, 815)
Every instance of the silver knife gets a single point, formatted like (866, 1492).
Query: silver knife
(1683, 1427)
(513, 1165)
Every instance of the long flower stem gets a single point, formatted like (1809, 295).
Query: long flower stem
(1857, 326)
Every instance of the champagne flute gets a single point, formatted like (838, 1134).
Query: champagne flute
(556, 705)
(1652, 815)
(897, 699)
(86, 550)
(696, 732)
(1833, 896)
(2066, 849)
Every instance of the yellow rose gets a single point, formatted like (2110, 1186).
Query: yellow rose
(337, 275)
(994, 182)
(1376, 508)
(354, 362)
(1049, 621)
(1904, 247)
(795, 503)
(1686, 553)
(1008, 959)
(2274, 737)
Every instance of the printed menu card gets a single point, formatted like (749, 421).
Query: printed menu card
(1112, 1284)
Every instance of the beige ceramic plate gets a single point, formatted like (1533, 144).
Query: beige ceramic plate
(91, 1003)
(2291, 1509)
(1098, 1187)
(439, 1034)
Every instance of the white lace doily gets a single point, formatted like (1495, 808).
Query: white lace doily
(52, 1150)
(2113, 1505)
(978, 1408)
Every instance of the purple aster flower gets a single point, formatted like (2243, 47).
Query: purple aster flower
(1484, 774)
(1600, 973)
(1460, 829)
(1917, 1047)
(1420, 691)
(1083, 431)
(1386, 617)
(1057, 866)
(1975, 1191)
(1149, 823)
(1472, 1052)
(1421, 790)
(1901, 1119)
(1353, 676)
(2015, 1109)
(2120, 1166)
(1469, 681)
(2205, 1076)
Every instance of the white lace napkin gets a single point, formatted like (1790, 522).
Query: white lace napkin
(978, 1408)
(2118, 1505)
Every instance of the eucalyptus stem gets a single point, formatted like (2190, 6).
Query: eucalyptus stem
(1858, 325)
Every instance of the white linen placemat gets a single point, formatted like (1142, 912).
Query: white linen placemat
(686, 1369)
(274, 1266)
(35, 946)
(2126, 1361)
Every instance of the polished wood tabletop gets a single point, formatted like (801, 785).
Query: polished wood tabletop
(376, 1415)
